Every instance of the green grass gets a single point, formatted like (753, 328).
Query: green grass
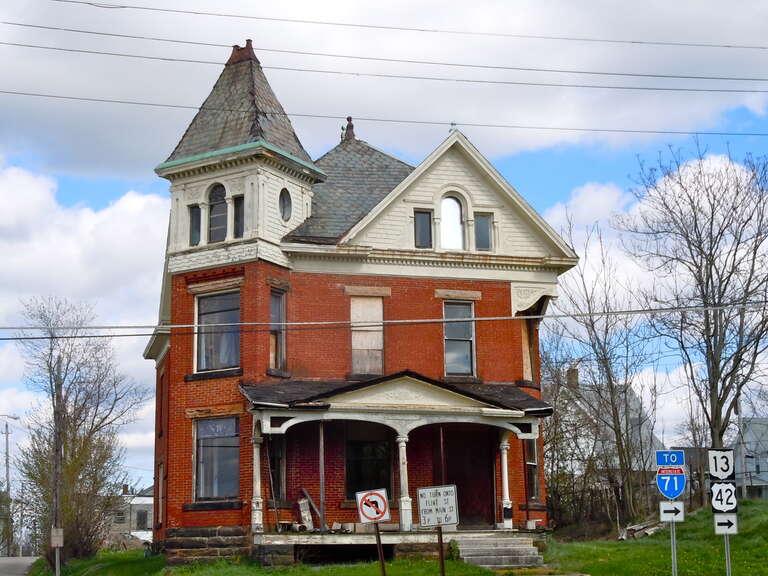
(699, 551)
(134, 564)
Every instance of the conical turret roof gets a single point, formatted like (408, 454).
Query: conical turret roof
(241, 109)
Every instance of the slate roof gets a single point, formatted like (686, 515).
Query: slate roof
(241, 109)
(358, 177)
(290, 394)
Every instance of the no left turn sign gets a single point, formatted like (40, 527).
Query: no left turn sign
(373, 506)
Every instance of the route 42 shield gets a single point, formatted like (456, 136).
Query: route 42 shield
(724, 497)
(670, 481)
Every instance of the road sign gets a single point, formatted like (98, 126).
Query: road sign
(670, 458)
(438, 506)
(57, 537)
(721, 464)
(671, 481)
(726, 524)
(373, 506)
(724, 497)
(671, 512)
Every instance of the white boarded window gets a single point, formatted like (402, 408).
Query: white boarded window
(451, 224)
(367, 313)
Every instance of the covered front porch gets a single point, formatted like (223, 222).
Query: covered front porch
(319, 443)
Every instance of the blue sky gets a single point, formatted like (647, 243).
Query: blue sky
(86, 216)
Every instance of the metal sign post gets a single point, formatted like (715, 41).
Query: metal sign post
(723, 497)
(670, 480)
(438, 506)
(373, 507)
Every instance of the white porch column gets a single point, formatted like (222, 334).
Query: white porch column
(506, 502)
(406, 514)
(257, 502)
(230, 218)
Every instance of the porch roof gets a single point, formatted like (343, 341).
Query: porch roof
(315, 394)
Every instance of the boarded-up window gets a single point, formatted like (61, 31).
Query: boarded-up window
(367, 313)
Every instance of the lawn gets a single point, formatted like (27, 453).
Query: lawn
(699, 551)
(134, 564)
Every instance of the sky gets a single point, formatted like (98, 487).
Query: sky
(85, 217)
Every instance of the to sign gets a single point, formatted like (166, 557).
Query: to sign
(726, 524)
(670, 481)
(373, 506)
(670, 458)
(724, 497)
(438, 506)
(671, 512)
(721, 464)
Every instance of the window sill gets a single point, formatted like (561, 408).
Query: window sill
(278, 373)
(534, 506)
(212, 505)
(228, 373)
(457, 379)
(281, 505)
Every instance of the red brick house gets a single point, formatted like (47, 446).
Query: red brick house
(306, 352)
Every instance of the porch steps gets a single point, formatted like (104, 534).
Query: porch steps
(497, 550)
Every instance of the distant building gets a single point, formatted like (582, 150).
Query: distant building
(135, 517)
(752, 458)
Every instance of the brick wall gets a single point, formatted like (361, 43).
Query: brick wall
(317, 354)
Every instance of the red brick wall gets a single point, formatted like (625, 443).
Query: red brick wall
(319, 354)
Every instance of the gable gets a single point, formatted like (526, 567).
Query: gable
(457, 168)
(406, 391)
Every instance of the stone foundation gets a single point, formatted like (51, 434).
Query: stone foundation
(199, 544)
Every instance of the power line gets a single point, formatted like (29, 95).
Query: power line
(345, 323)
(391, 60)
(412, 76)
(106, 5)
(386, 120)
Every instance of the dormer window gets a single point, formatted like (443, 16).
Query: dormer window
(217, 214)
(451, 224)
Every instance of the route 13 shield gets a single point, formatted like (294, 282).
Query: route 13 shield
(671, 481)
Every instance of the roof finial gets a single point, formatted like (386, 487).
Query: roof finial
(453, 127)
(349, 131)
(242, 54)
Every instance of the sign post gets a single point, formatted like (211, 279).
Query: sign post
(722, 474)
(373, 507)
(438, 506)
(670, 480)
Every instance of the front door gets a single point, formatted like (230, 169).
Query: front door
(469, 463)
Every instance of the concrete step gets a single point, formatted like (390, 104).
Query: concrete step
(520, 551)
(509, 541)
(498, 562)
(495, 545)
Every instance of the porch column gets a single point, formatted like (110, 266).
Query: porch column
(257, 502)
(406, 514)
(506, 502)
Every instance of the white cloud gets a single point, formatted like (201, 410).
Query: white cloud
(110, 257)
(138, 440)
(102, 138)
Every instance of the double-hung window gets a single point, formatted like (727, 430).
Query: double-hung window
(532, 469)
(217, 214)
(217, 454)
(483, 231)
(238, 205)
(218, 345)
(277, 330)
(459, 340)
(422, 228)
(194, 225)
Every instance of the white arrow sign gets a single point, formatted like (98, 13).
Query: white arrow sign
(726, 524)
(671, 511)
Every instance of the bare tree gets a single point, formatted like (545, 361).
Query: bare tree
(701, 226)
(610, 349)
(96, 401)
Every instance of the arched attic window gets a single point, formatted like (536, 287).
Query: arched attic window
(217, 214)
(451, 224)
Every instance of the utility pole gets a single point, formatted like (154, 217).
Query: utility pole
(57, 464)
(21, 521)
(7, 462)
(8, 527)
(743, 448)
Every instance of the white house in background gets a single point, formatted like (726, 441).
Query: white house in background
(135, 517)
(752, 458)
